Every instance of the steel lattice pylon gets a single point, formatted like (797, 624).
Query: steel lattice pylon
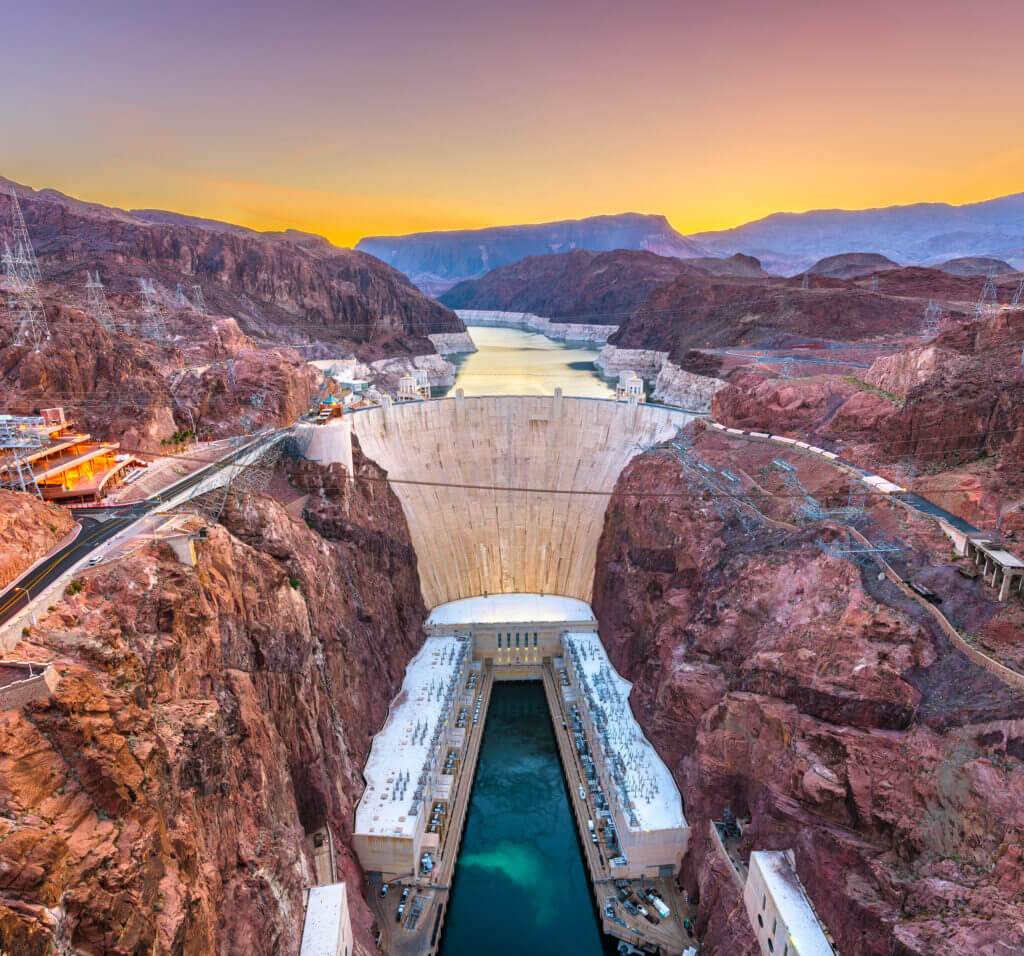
(932, 320)
(242, 480)
(152, 326)
(18, 437)
(98, 301)
(21, 270)
(989, 297)
(197, 297)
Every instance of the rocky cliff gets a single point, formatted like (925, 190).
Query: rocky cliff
(207, 719)
(789, 686)
(699, 311)
(599, 288)
(290, 287)
(129, 389)
(29, 528)
(437, 260)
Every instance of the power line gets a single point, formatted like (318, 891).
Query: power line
(529, 489)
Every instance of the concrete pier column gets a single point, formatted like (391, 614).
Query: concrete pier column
(346, 448)
(1004, 589)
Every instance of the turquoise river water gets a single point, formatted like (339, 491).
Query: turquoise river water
(520, 885)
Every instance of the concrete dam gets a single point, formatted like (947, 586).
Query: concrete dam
(485, 540)
(505, 500)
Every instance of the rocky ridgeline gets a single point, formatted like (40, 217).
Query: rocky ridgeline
(119, 387)
(782, 684)
(290, 286)
(206, 720)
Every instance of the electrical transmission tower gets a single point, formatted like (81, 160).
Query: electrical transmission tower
(932, 320)
(1019, 294)
(197, 298)
(152, 322)
(18, 438)
(805, 282)
(179, 298)
(989, 297)
(98, 301)
(874, 284)
(242, 480)
(723, 488)
(21, 270)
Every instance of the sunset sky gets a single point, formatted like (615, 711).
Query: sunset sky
(352, 118)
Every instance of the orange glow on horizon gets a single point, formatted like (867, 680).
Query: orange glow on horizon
(359, 119)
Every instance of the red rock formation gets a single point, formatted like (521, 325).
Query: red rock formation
(787, 685)
(291, 286)
(973, 406)
(206, 719)
(581, 286)
(694, 312)
(29, 528)
(118, 387)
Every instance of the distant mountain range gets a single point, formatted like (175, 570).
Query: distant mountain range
(921, 234)
(435, 261)
(785, 243)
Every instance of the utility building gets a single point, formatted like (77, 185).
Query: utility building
(405, 769)
(643, 802)
(781, 916)
(513, 632)
(327, 929)
(630, 386)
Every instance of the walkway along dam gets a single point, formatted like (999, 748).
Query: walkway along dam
(506, 562)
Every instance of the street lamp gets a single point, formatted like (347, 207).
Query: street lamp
(28, 602)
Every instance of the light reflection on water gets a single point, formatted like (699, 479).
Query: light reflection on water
(514, 362)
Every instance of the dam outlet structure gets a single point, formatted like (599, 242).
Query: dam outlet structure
(505, 500)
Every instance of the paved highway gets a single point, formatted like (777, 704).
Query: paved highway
(99, 525)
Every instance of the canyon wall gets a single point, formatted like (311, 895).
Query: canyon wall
(206, 720)
(290, 286)
(531, 538)
(29, 528)
(788, 686)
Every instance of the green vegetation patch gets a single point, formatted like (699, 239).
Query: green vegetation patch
(881, 392)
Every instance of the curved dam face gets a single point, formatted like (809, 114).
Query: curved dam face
(517, 533)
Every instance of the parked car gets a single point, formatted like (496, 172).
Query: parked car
(384, 891)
